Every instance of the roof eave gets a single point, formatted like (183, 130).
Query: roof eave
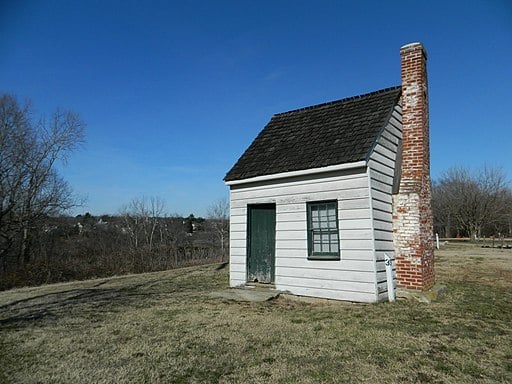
(303, 172)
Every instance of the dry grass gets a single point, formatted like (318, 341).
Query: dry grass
(165, 328)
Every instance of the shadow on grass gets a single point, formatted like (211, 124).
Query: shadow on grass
(94, 299)
(56, 305)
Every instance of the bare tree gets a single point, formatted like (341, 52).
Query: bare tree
(218, 215)
(30, 188)
(472, 202)
(141, 218)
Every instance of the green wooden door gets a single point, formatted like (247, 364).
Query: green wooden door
(261, 241)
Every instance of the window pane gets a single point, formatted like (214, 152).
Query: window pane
(334, 242)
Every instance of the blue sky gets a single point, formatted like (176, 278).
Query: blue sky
(174, 91)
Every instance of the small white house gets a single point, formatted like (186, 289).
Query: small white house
(316, 200)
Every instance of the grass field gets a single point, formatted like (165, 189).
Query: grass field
(166, 328)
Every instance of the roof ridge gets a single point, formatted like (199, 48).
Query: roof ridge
(340, 100)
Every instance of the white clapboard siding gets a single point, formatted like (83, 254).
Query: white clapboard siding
(381, 169)
(328, 274)
(300, 190)
(329, 293)
(358, 244)
(238, 243)
(290, 226)
(346, 265)
(349, 224)
(382, 206)
(384, 246)
(324, 283)
(238, 259)
(238, 227)
(291, 217)
(383, 224)
(237, 271)
(381, 265)
(238, 246)
(237, 267)
(352, 277)
(346, 256)
(384, 235)
(354, 204)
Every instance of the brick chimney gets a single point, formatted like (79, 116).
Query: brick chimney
(412, 211)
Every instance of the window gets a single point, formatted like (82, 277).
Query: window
(323, 239)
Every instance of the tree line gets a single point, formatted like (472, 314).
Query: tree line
(472, 203)
(67, 248)
(39, 244)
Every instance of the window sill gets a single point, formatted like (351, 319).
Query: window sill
(324, 257)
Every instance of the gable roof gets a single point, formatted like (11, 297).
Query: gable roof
(337, 132)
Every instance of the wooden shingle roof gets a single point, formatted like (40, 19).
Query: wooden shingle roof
(337, 132)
